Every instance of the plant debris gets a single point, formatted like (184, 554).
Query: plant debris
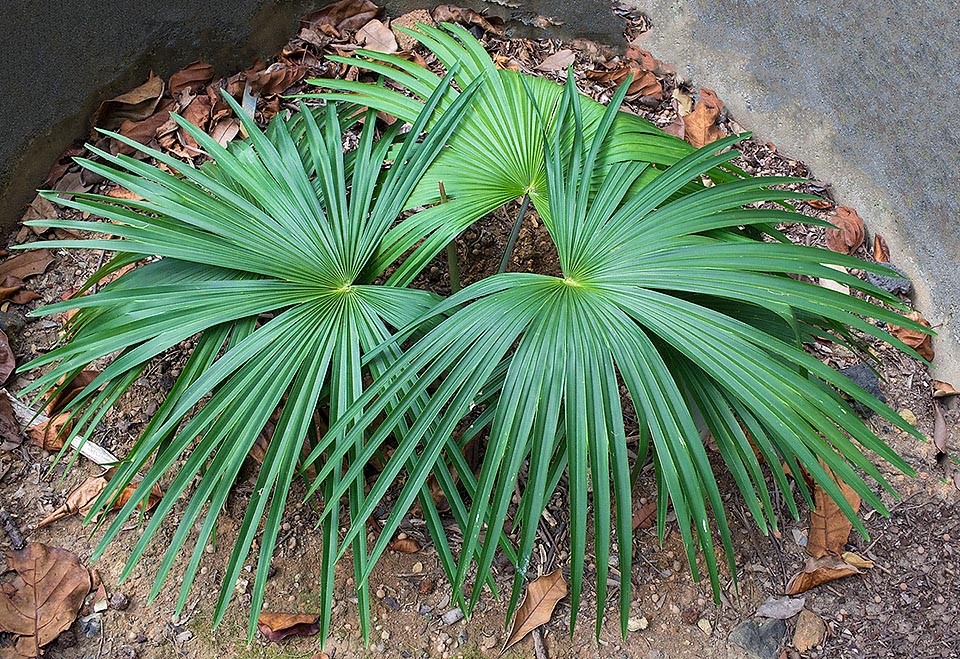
(541, 597)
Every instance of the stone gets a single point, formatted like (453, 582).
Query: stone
(452, 616)
(119, 601)
(759, 638)
(866, 377)
(705, 626)
(810, 632)
(637, 624)
(891, 283)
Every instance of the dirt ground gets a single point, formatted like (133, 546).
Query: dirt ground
(906, 606)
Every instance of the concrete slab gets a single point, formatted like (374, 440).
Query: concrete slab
(863, 93)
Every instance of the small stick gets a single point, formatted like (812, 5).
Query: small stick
(539, 649)
(512, 241)
(452, 266)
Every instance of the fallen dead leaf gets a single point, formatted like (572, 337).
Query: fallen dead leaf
(427, 586)
(44, 598)
(645, 516)
(144, 131)
(541, 597)
(343, 15)
(856, 560)
(452, 14)
(819, 204)
(881, 253)
(198, 114)
(64, 395)
(644, 58)
(559, 61)
(829, 526)
(8, 362)
(404, 546)
(80, 501)
(278, 626)
(40, 208)
(135, 105)
(377, 37)
(192, 76)
(810, 631)
(781, 608)
(914, 338)
(848, 234)
(700, 126)
(11, 436)
(50, 435)
(939, 428)
(943, 389)
(819, 571)
(26, 264)
(275, 79)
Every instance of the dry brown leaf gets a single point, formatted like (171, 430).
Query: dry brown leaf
(278, 626)
(943, 389)
(11, 436)
(60, 399)
(136, 105)
(50, 435)
(80, 501)
(541, 597)
(275, 79)
(343, 15)
(645, 516)
(700, 126)
(939, 428)
(8, 362)
(404, 546)
(810, 631)
(848, 236)
(44, 598)
(915, 339)
(452, 14)
(225, 131)
(819, 571)
(819, 204)
(780, 608)
(642, 57)
(644, 85)
(856, 560)
(377, 37)
(881, 253)
(427, 586)
(198, 114)
(40, 208)
(192, 76)
(26, 264)
(829, 527)
(146, 130)
(560, 60)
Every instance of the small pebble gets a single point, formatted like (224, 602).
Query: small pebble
(452, 616)
(417, 567)
(637, 624)
(704, 626)
(184, 636)
(119, 601)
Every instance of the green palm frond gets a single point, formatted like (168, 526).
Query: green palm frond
(665, 295)
(268, 257)
(501, 138)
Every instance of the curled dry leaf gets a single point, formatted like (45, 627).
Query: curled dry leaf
(848, 234)
(8, 362)
(810, 631)
(916, 339)
(819, 571)
(136, 105)
(44, 598)
(80, 501)
(819, 204)
(781, 608)
(881, 253)
(343, 15)
(644, 516)
(943, 389)
(643, 58)
(856, 560)
(452, 14)
(404, 546)
(939, 428)
(278, 626)
(541, 597)
(700, 126)
(377, 37)
(193, 76)
(26, 264)
(558, 61)
(275, 79)
(829, 527)
(10, 434)
(51, 434)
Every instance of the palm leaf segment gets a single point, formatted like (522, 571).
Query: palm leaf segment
(497, 154)
(275, 228)
(668, 297)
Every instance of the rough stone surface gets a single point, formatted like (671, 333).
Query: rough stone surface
(866, 377)
(890, 283)
(760, 637)
(852, 91)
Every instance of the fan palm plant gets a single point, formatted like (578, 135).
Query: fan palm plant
(276, 259)
(665, 293)
(268, 257)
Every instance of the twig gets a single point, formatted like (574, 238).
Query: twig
(452, 265)
(539, 649)
(12, 529)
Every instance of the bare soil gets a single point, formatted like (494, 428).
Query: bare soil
(906, 606)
